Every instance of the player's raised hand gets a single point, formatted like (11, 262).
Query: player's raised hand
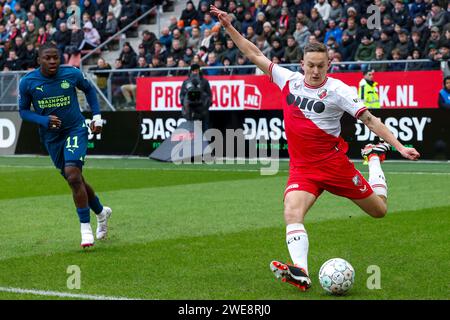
(224, 18)
(410, 153)
(54, 122)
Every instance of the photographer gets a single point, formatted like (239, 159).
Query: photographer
(196, 97)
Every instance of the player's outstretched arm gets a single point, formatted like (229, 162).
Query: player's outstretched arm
(376, 126)
(91, 97)
(247, 48)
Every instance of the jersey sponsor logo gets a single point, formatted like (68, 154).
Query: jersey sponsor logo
(304, 103)
(363, 189)
(54, 102)
(40, 88)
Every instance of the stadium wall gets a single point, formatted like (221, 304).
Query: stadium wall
(139, 133)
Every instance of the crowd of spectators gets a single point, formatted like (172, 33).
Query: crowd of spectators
(74, 25)
(409, 30)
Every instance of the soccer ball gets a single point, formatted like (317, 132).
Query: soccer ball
(337, 276)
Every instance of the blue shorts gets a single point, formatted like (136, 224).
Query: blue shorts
(68, 147)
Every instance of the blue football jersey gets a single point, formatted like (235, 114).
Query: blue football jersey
(55, 95)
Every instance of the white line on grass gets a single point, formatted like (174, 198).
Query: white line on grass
(61, 294)
(207, 169)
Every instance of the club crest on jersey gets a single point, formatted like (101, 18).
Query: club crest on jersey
(65, 84)
(322, 93)
(357, 181)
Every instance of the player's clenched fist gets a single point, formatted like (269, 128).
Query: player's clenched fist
(54, 122)
(96, 125)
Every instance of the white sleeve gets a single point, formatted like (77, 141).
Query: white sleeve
(349, 101)
(280, 75)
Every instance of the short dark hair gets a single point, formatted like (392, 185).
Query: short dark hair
(315, 47)
(47, 45)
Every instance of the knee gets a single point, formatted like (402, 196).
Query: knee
(379, 211)
(74, 180)
(292, 214)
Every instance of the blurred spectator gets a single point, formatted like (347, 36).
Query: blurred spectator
(292, 53)
(301, 6)
(419, 7)
(348, 47)
(19, 47)
(4, 35)
(203, 9)
(336, 11)
(434, 40)
(115, 6)
(324, 9)
(102, 77)
(20, 13)
(178, 35)
(356, 8)
(277, 49)
(218, 50)
(156, 63)
(231, 51)
(176, 50)
(263, 45)
(173, 23)
(128, 13)
(242, 62)
(142, 53)
(128, 56)
(420, 26)
(213, 62)
(415, 55)
(188, 55)
(388, 25)
(248, 22)
(444, 94)
(286, 21)
(148, 40)
(226, 63)
(437, 17)
(259, 23)
(12, 62)
(403, 45)
(2, 58)
(62, 38)
(118, 79)
(102, 6)
(416, 42)
(111, 26)
(166, 38)
(396, 66)
(318, 25)
(380, 55)
(76, 38)
(182, 64)
(336, 66)
(32, 34)
(129, 89)
(386, 43)
(61, 19)
(272, 12)
(208, 22)
(400, 14)
(171, 63)
(29, 61)
(268, 31)
(216, 35)
(368, 91)
(365, 51)
(333, 30)
(91, 37)
(282, 35)
(43, 37)
(89, 7)
(301, 34)
(99, 23)
(159, 51)
(194, 40)
(189, 14)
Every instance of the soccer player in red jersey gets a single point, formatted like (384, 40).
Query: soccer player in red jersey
(313, 105)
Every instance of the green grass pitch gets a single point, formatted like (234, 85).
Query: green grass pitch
(210, 231)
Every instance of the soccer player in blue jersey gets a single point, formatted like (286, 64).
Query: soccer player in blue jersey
(51, 89)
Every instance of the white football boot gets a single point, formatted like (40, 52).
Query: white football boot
(87, 237)
(102, 223)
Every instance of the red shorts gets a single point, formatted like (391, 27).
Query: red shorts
(337, 175)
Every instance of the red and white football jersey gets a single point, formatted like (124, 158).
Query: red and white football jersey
(312, 115)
